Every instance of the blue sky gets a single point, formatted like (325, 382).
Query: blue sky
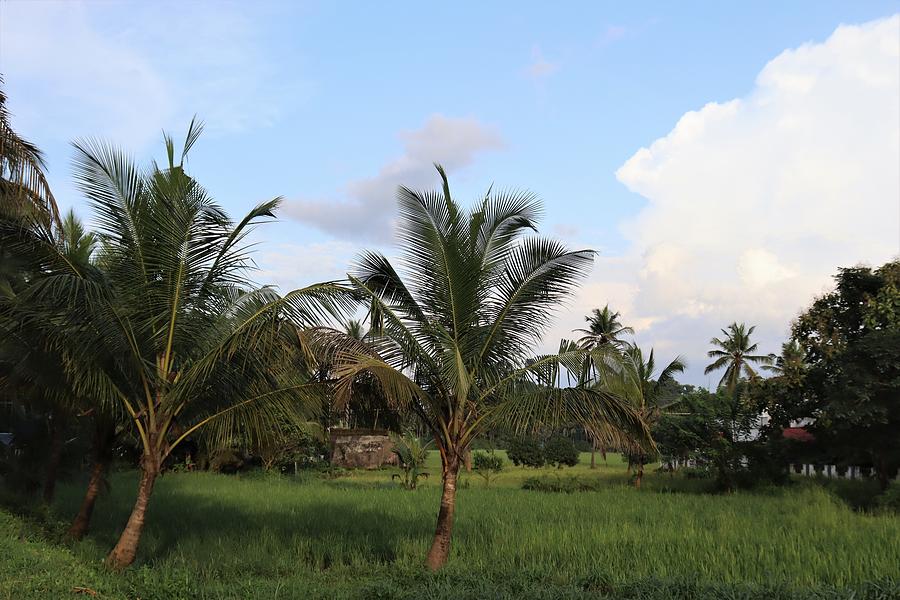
(331, 105)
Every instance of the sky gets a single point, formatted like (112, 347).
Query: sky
(723, 159)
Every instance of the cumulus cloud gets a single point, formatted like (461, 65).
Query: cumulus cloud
(366, 208)
(752, 204)
(98, 69)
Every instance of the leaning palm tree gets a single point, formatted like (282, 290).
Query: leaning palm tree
(24, 191)
(452, 329)
(174, 333)
(635, 379)
(735, 354)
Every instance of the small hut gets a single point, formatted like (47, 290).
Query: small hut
(361, 448)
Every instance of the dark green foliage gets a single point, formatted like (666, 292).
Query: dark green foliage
(526, 451)
(487, 461)
(716, 431)
(889, 499)
(560, 451)
(566, 484)
(487, 465)
(851, 338)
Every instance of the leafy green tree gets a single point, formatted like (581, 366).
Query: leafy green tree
(176, 337)
(560, 451)
(851, 338)
(451, 337)
(734, 353)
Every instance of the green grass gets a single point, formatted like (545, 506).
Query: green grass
(361, 536)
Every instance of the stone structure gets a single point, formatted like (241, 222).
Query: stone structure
(361, 448)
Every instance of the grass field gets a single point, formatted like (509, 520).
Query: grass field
(360, 536)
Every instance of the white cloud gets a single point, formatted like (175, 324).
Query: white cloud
(291, 266)
(540, 67)
(125, 71)
(753, 204)
(368, 207)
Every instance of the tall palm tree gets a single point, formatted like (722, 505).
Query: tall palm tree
(636, 380)
(452, 329)
(604, 328)
(176, 335)
(735, 354)
(603, 333)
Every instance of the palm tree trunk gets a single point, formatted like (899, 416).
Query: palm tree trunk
(122, 555)
(103, 438)
(639, 474)
(55, 458)
(440, 547)
(593, 456)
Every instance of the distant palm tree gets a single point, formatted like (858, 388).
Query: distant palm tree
(792, 359)
(603, 333)
(734, 353)
(604, 328)
(451, 338)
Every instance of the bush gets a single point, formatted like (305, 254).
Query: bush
(487, 465)
(889, 499)
(526, 452)
(487, 461)
(559, 451)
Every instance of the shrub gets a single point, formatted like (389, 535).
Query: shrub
(560, 451)
(411, 454)
(889, 499)
(526, 452)
(487, 465)
(487, 461)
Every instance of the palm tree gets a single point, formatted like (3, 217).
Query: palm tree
(734, 353)
(24, 191)
(175, 334)
(32, 365)
(636, 380)
(791, 361)
(452, 329)
(603, 333)
(604, 328)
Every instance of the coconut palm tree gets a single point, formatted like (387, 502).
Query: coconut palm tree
(603, 333)
(32, 367)
(791, 361)
(24, 191)
(734, 353)
(604, 328)
(452, 328)
(174, 333)
(635, 379)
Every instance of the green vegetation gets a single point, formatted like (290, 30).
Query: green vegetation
(146, 345)
(361, 536)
